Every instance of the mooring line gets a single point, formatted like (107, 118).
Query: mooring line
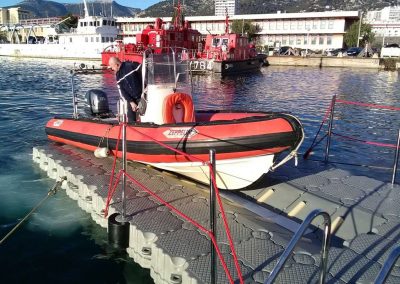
(51, 192)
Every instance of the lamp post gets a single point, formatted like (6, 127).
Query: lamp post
(308, 40)
(359, 30)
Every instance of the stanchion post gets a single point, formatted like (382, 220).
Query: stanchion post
(328, 140)
(74, 98)
(213, 222)
(123, 165)
(396, 158)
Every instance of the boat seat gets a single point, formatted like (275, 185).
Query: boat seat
(178, 108)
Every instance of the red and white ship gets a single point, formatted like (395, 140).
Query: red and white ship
(228, 53)
(247, 144)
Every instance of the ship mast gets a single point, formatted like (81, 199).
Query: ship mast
(86, 9)
(226, 21)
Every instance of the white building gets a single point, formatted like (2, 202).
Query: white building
(315, 30)
(226, 6)
(385, 22)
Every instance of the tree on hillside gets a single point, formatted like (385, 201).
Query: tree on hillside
(366, 34)
(245, 27)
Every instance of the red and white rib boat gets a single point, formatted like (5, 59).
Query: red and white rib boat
(246, 143)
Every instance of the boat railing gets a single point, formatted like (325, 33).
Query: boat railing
(388, 266)
(293, 242)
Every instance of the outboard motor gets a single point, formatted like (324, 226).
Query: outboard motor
(97, 103)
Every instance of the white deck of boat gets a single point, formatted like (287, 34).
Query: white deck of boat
(179, 253)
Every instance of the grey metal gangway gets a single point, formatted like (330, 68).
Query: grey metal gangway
(297, 236)
(388, 266)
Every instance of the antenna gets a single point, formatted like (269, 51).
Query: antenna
(86, 9)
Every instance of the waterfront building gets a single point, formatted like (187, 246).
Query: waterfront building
(385, 23)
(314, 30)
(223, 7)
(10, 16)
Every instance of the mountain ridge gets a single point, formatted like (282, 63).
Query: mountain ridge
(44, 8)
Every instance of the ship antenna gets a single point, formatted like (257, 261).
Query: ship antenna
(86, 9)
(178, 20)
(226, 21)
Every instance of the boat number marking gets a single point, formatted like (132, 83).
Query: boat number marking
(58, 122)
(184, 132)
(201, 65)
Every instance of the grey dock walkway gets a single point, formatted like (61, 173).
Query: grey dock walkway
(175, 251)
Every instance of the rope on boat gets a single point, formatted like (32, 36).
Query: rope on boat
(113, 187)
(51, 192)
(293, 153)
(313, 144)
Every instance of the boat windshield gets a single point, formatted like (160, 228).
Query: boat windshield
(166, 68)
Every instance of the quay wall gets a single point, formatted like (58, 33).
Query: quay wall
(324, 61)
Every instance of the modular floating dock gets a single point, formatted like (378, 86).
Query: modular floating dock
(365, 217)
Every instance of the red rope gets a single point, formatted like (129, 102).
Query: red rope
(169, 147)
(368, 105)
(365, 141)
(184, 216)
(228, 233)
(109, 195)
(209, 233)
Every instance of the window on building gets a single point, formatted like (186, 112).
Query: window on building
(300, 24)
(97, 39)
(70, 39)
(315, 24)
(321, 40)
(298, 40)
(103, 39)
(313, 40)
(305, 39)
(284, 40)
(329, 40)
(285, 25)
(308, 25)
(272, 25)
(91, 24)
(322, 25)
(330, 24)
(292, 25)
(279, 25)
(291, 40)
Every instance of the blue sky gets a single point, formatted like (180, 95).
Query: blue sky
(130, 3)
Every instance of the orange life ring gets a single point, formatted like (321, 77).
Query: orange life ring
(178, 101)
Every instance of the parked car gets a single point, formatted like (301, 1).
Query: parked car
(353, 51)
(392, 45)
(283, 50)
(336, 51)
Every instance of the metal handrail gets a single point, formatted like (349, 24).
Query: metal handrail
(388, 266)
(325, 245)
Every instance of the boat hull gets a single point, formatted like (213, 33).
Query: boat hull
(226, 67)
(241, 140)
(54, 51)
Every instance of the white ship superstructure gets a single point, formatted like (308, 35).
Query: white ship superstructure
(87, 41)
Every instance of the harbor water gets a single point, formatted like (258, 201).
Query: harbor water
(61, 244)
